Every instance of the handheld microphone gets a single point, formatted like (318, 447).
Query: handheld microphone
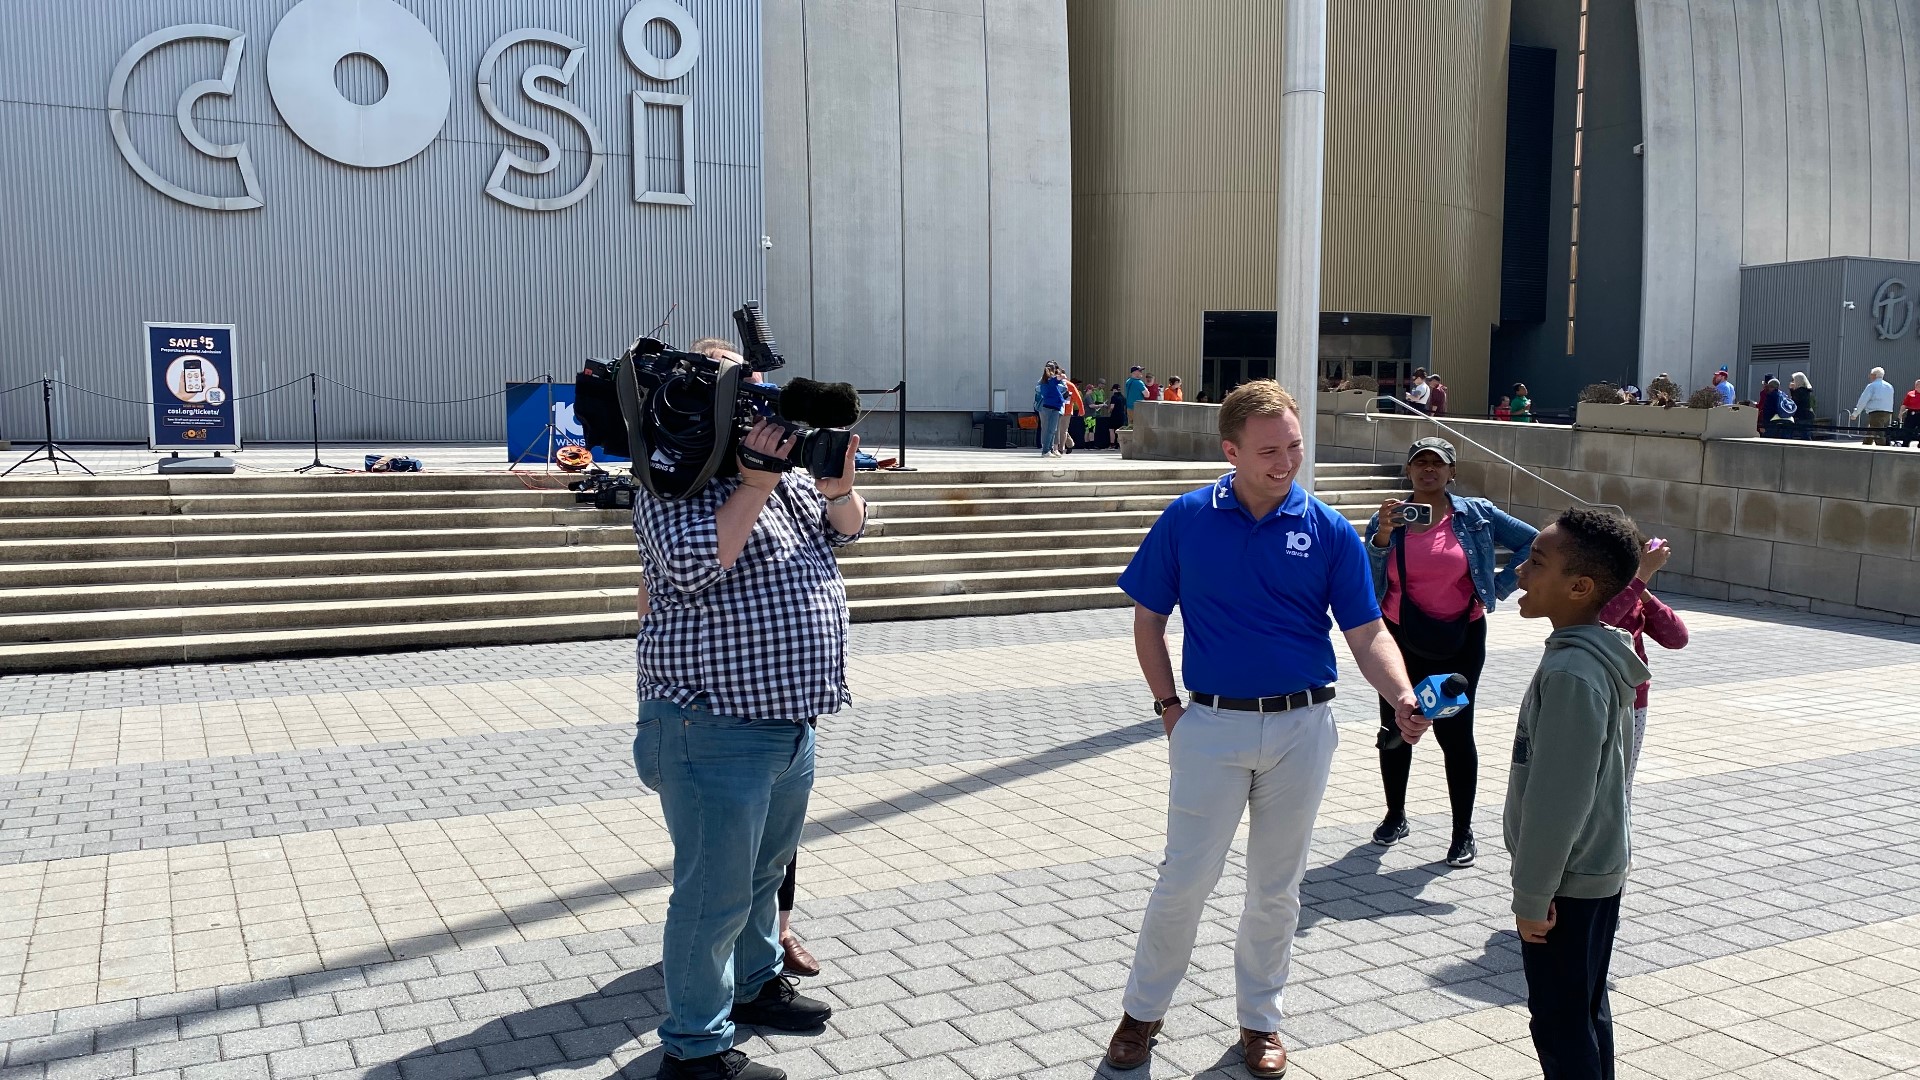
(1439, 696)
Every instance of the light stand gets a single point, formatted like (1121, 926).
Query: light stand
(51, 449)
(313, 399)
(547, 432)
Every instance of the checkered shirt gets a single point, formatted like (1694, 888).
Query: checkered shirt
(766, 639)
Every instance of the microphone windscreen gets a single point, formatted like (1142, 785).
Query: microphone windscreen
(821, 405)
(1455, 685)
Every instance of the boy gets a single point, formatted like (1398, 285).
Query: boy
(1566, 817)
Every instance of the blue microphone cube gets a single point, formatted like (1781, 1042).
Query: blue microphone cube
(1441, 696)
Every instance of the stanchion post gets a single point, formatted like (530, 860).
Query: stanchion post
(902, 389)
(53, 451)
(313, 403)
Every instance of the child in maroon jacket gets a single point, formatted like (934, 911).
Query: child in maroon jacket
(1640, 613)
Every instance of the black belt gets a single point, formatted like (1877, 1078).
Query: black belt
(1283, 703)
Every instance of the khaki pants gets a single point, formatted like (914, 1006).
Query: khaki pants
(1225, 764)
(1877, 424)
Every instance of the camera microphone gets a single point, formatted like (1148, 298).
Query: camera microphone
(820, 405)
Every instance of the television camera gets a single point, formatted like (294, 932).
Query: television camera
(684, 415)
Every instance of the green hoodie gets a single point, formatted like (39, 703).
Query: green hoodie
(1566, 824)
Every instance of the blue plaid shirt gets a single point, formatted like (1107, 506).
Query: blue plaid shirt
(767, 639)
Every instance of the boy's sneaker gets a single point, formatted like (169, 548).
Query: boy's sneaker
(1462, 852)
(780, 1006)
(1391, 831)
(726, 1065)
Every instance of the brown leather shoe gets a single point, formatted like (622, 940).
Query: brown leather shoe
(1265, 1056)
(1132, 1043)
(798, 961)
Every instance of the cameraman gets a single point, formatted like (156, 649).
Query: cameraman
(742, 643)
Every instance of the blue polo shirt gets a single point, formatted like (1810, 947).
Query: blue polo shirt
(1253, 595)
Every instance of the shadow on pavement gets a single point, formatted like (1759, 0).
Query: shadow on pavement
(580, 1031)
(1353, 887)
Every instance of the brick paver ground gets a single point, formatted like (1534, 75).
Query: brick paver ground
(438, 865)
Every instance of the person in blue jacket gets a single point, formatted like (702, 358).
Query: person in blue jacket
(1436, 581)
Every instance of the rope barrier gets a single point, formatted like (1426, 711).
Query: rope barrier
(275, 390)
(96, 393)
(411, 401)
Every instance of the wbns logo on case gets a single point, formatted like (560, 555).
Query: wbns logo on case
(316, 36)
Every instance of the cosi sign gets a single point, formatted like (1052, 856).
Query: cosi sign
(317, 34)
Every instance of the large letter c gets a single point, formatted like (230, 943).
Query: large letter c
(221, 87)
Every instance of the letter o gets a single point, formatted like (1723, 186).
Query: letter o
(315, 36)
(633, 38)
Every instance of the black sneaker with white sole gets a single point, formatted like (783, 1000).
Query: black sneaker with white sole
(1462, 852)
(779, 1005)
(726, 1065)
(1391, 831)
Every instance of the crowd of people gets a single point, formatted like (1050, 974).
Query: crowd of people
(1261, 573)
(1085, 415)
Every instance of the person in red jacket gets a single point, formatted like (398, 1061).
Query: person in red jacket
(1642, 614)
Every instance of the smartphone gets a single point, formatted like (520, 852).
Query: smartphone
(1414, 514)
(192, 378)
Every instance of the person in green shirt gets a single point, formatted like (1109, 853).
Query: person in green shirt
(1522, 404)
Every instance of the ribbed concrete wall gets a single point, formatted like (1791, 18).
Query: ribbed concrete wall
(918, 193)
(1776, 130)
(1175, 110)
(408, 281)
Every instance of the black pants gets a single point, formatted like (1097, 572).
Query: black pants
(1454, 734)
(1567, 990)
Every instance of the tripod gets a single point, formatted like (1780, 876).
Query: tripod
(313, 399)
(51, 449)
(548, 432)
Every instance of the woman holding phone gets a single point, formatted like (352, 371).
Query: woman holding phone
(1433, 569)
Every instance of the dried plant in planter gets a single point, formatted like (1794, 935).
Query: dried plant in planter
(1666, 387)
(1364, 382)
(1704, 398)
(1600, 393)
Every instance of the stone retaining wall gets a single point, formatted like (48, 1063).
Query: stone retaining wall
(1806, 525)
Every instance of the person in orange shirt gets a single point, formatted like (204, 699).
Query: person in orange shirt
(1070, 433)
(1173, 391)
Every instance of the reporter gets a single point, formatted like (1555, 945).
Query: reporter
(742, 644)
(1436, 583)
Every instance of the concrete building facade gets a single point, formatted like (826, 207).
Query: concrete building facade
(422, 200)
(918, 197)
(1175, 128)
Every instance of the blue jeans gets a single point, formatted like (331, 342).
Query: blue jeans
(734, 792)
(1049, 428)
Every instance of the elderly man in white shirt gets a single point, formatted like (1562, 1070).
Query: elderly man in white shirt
(1876, 405)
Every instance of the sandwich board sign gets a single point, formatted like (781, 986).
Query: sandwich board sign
(191, 377)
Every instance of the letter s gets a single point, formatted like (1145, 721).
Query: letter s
(529, 80)
(222, 86)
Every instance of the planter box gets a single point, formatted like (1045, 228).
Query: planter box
(1726, 422)
(1347, 401)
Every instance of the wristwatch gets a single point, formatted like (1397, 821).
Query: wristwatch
(1161, 706)
(840, 500)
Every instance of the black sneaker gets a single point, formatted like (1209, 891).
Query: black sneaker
(781, 1006)
(1462, 852)
(726, 1065)
(1391, 831)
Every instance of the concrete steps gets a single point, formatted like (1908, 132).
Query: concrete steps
(117, 571)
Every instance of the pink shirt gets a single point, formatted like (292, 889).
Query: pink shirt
(1438, 565)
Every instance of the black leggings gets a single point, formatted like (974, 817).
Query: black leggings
(791, 883)
(1454, 734)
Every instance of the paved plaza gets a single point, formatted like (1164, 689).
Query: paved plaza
(438, 865)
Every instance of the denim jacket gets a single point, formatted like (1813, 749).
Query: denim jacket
(1480, 525)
